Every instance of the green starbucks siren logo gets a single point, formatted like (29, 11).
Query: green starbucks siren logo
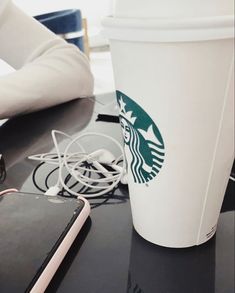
(144, 146)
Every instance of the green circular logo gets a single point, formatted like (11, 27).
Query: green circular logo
(144, 145)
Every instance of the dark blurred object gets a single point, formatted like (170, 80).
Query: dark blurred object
(229, 198)
(2, 169)
(68, 24)
(233, 170)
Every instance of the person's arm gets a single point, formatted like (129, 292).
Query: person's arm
(49, 70)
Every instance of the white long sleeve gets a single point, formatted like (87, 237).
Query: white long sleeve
(49, 71)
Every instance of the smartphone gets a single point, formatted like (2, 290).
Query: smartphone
(36, 231)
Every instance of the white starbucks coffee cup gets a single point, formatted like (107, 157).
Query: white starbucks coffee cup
(174, 81)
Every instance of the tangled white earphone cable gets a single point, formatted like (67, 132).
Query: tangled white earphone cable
(105, 166)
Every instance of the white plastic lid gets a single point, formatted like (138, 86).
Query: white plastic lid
(172, 8)
(169, 30)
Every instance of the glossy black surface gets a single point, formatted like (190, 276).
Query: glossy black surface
(109, 256)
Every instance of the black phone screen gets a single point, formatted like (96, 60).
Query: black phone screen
(31, 226)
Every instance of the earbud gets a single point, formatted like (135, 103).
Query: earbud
(124, 179)
(119, 169)
(103, 156)
(102, 169)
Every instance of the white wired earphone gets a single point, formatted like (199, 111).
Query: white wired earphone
(74, 164)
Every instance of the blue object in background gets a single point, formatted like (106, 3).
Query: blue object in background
(65, 23)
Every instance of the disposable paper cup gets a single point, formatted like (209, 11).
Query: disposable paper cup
(174, 84)
(172, 8)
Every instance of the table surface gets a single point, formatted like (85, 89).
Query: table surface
(108, 256)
